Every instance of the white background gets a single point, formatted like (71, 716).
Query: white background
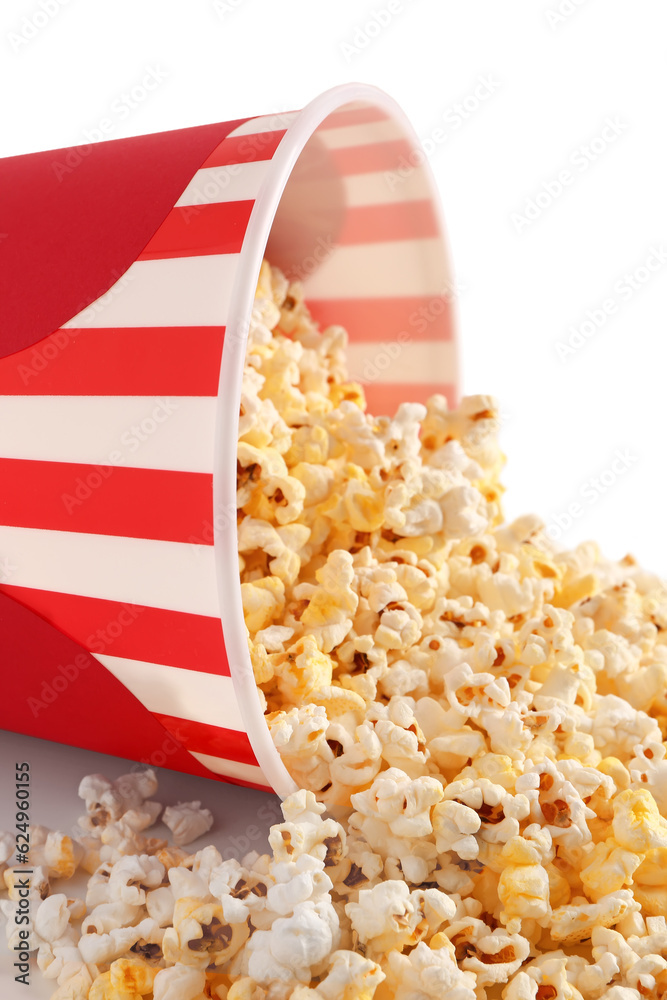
(557, 71)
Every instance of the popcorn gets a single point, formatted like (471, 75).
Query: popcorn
(51, 917)
(389, 916)
(496, 957)
(527, 769)
(102, 948)
(637, 824)
(14, 879)
(106, 917)
(295, 947)
(61, 960)
(524, 892)
(187, 821)
(304, 670)
(58, 853)
(124, 798)
(331, 602)
(455, 825)
(76, 987)
(263, 602)
(200, 934)
(430, 974)
(130, 878)
(350, 977)
(575, 922)
(609, 868)
(7, 844)
(483, 714)
(179, 982)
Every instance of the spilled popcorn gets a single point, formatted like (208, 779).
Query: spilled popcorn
(476, 721)
(484, 713)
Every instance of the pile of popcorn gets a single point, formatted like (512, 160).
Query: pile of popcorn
(484, 713)
(475, 720)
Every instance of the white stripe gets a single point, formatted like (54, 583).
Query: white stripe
(188, 694)
(413, 361)
(142, 432)
(359, 135)
(175, 291)
(231, 182)
(266, 123)
(397, 267)
(376, 189)
(176, 576)
(232, 768)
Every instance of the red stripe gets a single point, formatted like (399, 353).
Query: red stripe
(200, 737)
(130, 630)
(372, 157)
(192, 230)
(380, 223)
(54, 690)
(245, 148)
(423, 317)
(355, 116)
(133, 361)
(384, 398)
(106, 499)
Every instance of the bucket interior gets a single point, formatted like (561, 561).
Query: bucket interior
(359, 224)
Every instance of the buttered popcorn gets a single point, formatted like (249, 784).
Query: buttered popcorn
(476, 721)
(485, 713)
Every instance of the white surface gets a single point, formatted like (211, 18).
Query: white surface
(242, 816)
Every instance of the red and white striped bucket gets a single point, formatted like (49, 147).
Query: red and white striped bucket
(127, 272)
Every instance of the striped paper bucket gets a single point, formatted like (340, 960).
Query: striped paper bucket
(128, 270)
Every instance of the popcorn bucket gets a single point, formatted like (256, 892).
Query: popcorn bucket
(129, 269)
